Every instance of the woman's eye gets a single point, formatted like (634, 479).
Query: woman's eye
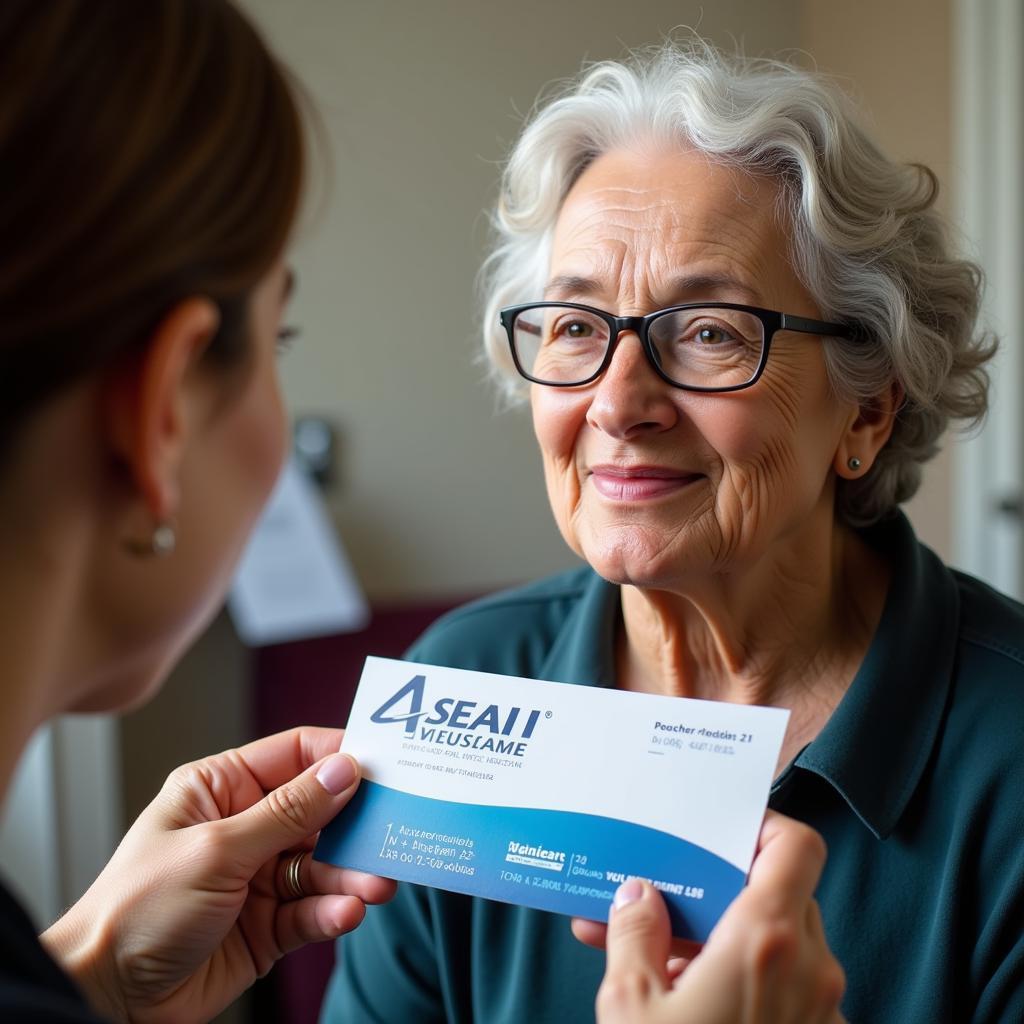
(578, 329)
(713, 335)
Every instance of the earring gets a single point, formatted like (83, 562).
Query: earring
(162, 543)
(853, 463)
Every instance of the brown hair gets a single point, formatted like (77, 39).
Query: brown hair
(149, 150)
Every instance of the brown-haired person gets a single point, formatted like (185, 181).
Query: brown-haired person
(151, 164)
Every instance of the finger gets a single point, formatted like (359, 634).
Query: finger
(292, 813)
(675, 967)
(224, 784)
(273, 760)
(639, 935)
(814, 924)
(831, 981)
(594, 933)
(316, 919)
(789, 860)
(320, 879)
(326, 878)
(637, 943)
(781, 883)
(590, 933)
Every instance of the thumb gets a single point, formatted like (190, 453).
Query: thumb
(638, 943)
(293, 812)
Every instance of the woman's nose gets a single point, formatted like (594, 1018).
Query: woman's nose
(631, 398)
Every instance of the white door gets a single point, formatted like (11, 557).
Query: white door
(989, 166)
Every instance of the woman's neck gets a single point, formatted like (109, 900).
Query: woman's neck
(29, 653)
(788, 632)
(43, 552)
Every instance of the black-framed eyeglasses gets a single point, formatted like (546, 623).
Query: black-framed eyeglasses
(699, 346)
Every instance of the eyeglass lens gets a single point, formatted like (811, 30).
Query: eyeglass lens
(705, 347)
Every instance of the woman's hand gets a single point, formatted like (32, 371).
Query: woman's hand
(766, 961)
(194, 906)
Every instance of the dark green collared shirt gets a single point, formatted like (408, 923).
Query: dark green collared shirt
(916, 783)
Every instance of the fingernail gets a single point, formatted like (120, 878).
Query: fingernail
(629, 892)
(337, 773)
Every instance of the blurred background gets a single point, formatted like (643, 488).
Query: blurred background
(436, 495)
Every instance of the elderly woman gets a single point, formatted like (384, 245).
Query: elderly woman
(743, 333)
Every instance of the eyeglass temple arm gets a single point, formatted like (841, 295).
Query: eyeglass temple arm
(807, 326)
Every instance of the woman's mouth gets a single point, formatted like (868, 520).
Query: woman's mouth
(639, 483)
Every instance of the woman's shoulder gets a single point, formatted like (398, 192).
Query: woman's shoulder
(991, 625)
(510, 631)
(985, 713)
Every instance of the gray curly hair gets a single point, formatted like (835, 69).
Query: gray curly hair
(867, 244)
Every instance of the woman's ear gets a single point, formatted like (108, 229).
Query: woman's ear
(148, 404)
(866, 434)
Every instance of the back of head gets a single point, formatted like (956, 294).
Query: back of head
(866, 241)
(148, 151)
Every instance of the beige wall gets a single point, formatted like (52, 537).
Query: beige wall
(896, 59)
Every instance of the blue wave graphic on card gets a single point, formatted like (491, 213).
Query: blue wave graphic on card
(551, 860)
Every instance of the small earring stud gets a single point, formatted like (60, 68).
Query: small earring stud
(161, 543)
(853, 463)
(164, 540)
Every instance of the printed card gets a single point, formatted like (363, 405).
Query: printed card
(550, 795)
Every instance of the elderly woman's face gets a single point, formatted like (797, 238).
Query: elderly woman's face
(650, 483)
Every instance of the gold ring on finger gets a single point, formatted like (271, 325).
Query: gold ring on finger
(293, 877)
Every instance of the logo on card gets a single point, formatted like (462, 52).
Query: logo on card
(458, 723)
(535, 856)
(414, 691)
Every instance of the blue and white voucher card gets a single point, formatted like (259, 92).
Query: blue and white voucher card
(549, 795)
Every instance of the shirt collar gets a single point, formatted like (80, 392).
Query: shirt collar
(874, 748)
(877, 742)
(584, 651)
